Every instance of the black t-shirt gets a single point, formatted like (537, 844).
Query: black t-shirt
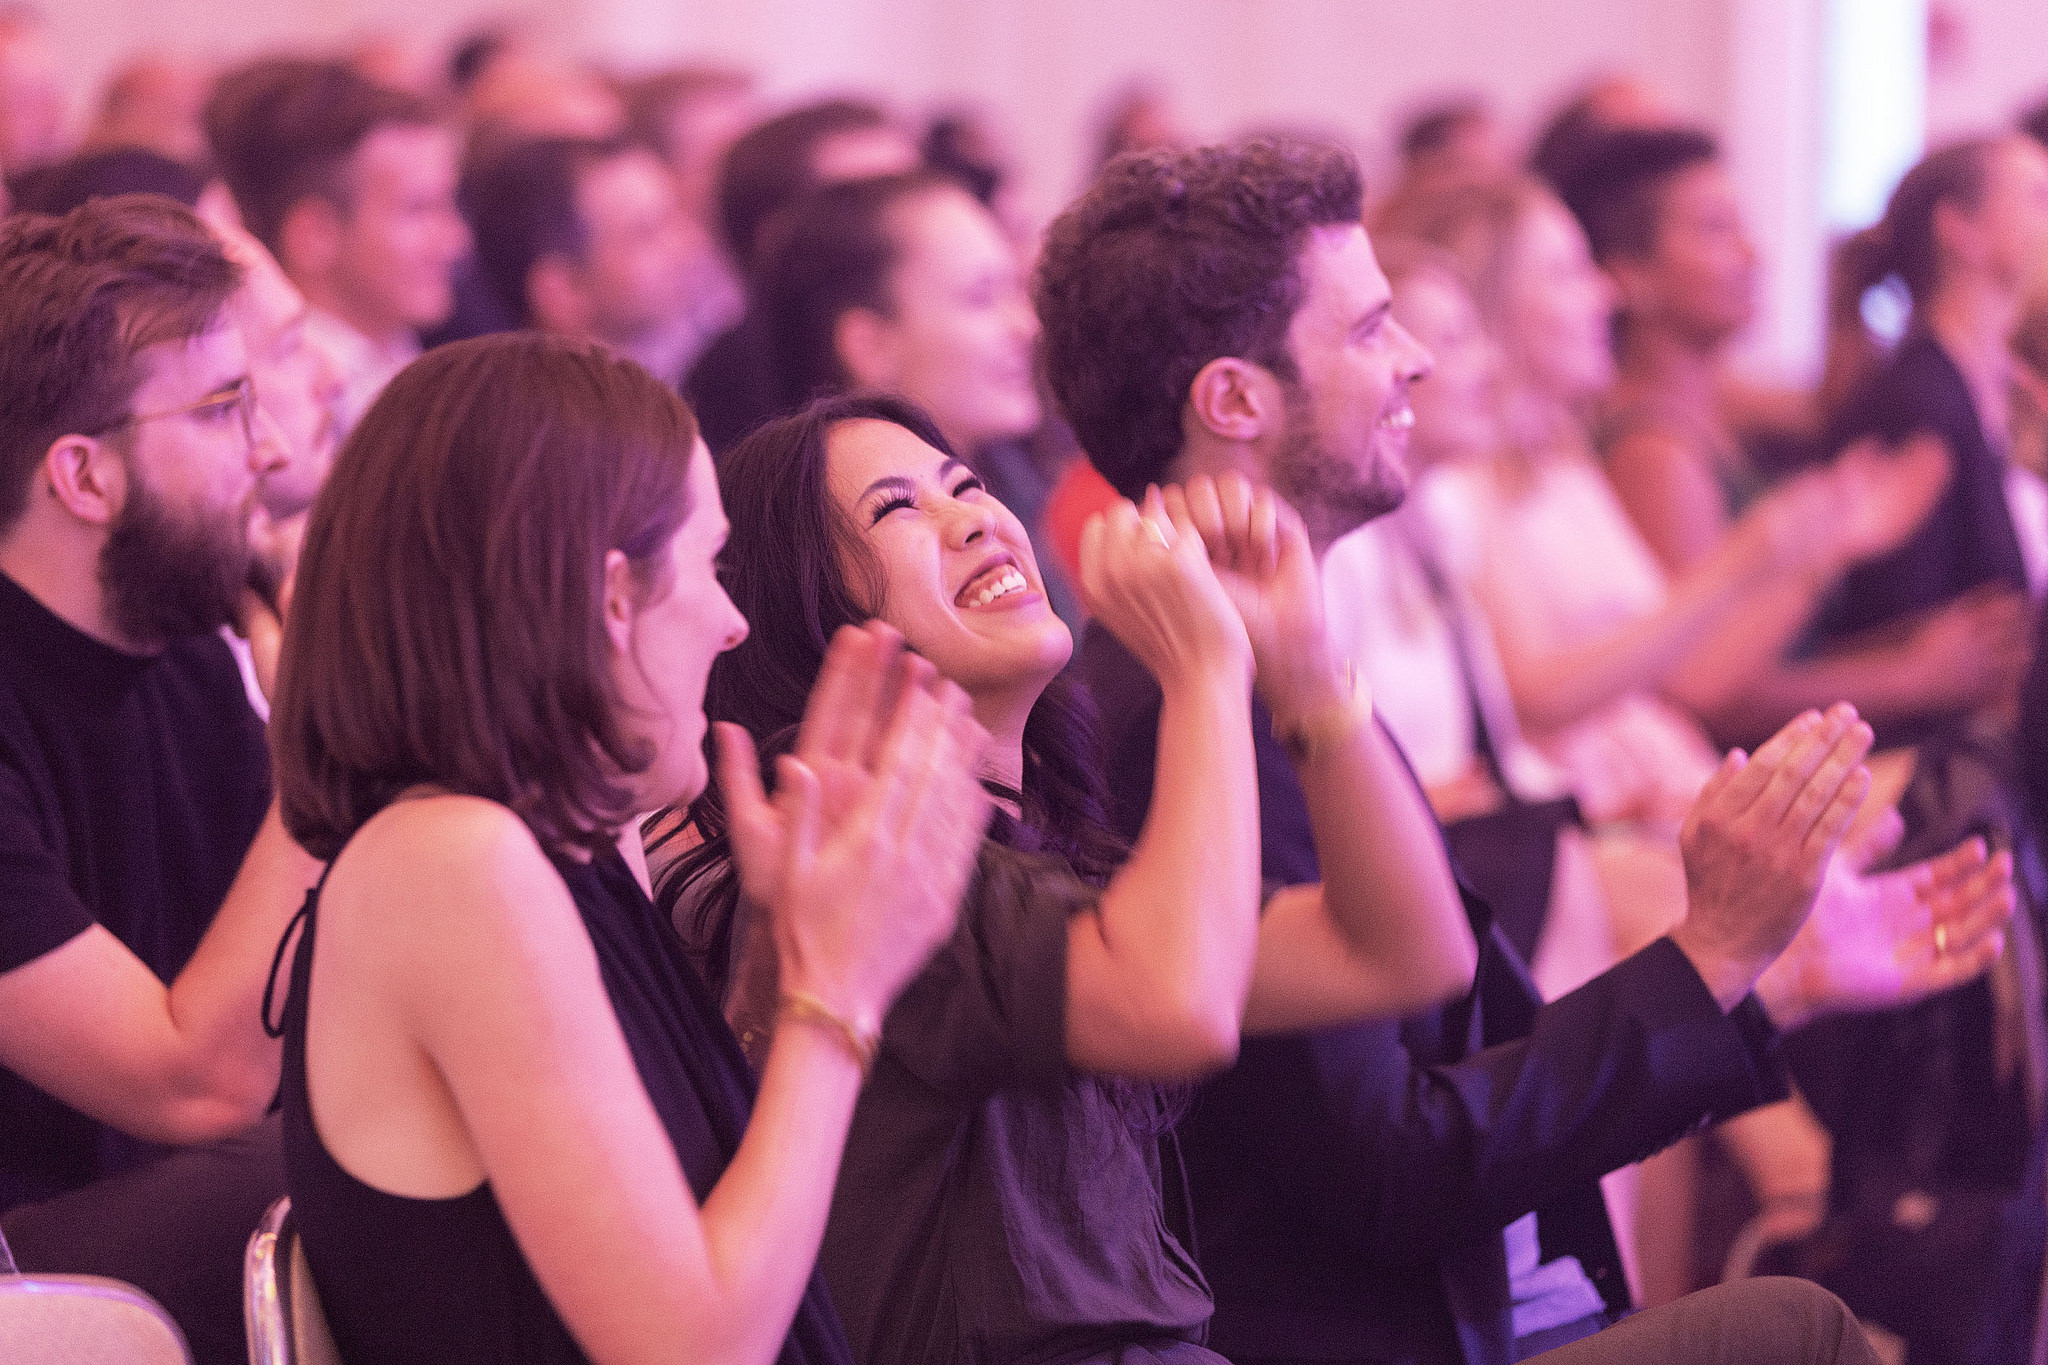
(995, 1205)
(130, 789)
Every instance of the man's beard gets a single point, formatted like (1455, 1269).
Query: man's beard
(1331, 496)
(164, 577)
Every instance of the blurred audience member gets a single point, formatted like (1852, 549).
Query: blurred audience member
(1137, 118)
(1449, 142)
(906, 284)
(965, 145)
(154, 103)
(522, 95)
(1663, 220)
(1601, 105)
(733, 387)
(588, 240)
(31, 94)
(2030, 451)
(2034, 123)
(63, 185)
(777, 163)
(692, 115)
(298, 392)
(352, 187)
(1963, 233)
(2030, 386)
(134, 777)
(473, 54)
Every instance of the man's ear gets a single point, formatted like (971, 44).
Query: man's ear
(865, 343)
(619, 601)
(87, 477)
(309, 239)
(1234, 399)
(554, 299)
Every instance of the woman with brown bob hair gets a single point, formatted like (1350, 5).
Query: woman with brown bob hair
(516, 1127)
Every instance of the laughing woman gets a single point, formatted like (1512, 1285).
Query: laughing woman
(1002, 1196)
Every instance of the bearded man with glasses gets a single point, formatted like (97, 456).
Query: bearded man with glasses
(144, 875)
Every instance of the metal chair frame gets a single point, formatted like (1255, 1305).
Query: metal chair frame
(279, 1304)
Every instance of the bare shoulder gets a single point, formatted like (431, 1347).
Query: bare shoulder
(457, 862)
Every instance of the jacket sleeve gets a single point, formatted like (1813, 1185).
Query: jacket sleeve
(1407, 1158)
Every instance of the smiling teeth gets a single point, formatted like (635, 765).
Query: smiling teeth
(1002, 585)
(1399, 421)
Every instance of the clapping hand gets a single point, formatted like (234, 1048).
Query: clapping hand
(1883, 495)
(864, 852)
(1877, 940)
(1261, 553)
(1866, 502)
(1758, 841)
(1148, 579)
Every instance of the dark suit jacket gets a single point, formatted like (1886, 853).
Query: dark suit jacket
(1350, 1185)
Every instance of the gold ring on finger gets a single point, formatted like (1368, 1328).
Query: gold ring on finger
(1158, 534)
(1941, 940)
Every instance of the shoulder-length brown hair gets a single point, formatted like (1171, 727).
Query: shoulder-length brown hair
(448, 623)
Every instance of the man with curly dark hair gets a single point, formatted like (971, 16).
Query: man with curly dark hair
(1425, 1190)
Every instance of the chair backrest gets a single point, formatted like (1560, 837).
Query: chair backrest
(85, 1320)
(286, 1324)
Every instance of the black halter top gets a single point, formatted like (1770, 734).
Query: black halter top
(442, 1280)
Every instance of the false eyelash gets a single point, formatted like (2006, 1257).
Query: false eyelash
(883, 509)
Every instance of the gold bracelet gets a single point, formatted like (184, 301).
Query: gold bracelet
(802, 1007)
(1308, 738)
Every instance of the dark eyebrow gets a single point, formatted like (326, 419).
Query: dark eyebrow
(222, 392)
(1374, 316)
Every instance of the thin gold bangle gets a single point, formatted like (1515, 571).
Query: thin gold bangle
(1309, 738)
(802, 1007)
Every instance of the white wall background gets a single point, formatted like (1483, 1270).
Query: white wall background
(1748, 68)
(1992, 64)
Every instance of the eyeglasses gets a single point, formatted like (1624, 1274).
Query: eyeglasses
(240, 396)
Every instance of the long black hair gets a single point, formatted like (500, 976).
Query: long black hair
(799, 570)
